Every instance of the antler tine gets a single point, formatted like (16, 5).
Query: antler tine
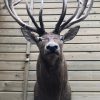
(56, 30)
(82, 17)
(30, 15)
(16, 2)
(64, 24)
(40, 18)
(12, 12)
(81, 10)
(81, 14)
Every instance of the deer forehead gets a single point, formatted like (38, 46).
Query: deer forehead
(52, 39)
(51, 36)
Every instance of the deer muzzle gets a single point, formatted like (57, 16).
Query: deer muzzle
(52, 48)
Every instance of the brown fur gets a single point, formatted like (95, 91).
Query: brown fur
(52, 78)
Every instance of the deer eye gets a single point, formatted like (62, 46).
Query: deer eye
(61, 38)
(39, 39)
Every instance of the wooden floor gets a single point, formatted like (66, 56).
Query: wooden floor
(82, 53)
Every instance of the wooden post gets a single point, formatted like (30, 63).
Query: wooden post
(27, 62)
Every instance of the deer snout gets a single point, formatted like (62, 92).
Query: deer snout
(52, 47)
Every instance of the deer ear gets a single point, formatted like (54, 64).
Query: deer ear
(71, 33)
(28, 35)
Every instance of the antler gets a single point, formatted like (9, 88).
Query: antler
(61, 17)
(40, 17)
(82, 11)
(14, 3)
(40, 30)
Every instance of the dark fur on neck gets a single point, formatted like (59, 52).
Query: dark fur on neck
(51, 76)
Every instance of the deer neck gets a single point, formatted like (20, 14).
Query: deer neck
(51, 76)
(51, 63)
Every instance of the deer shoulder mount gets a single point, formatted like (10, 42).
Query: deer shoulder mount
(52, 78)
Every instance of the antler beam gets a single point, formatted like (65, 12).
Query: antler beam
(40, 17)
(56, 30)
(10, 6)
(82, 11)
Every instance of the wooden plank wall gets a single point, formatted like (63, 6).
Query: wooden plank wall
(82, 53)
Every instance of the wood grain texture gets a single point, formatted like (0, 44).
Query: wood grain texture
(77, 86)
(50, 25)
(73, 75)
(52, 1)
(48, 11)
(83, 31)
(75, 96)
(47, 18)
(68, 56)
(16, 48)
(77, 39)
(51, 5)
(72, 65)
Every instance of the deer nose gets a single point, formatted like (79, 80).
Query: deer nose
(52, 48)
